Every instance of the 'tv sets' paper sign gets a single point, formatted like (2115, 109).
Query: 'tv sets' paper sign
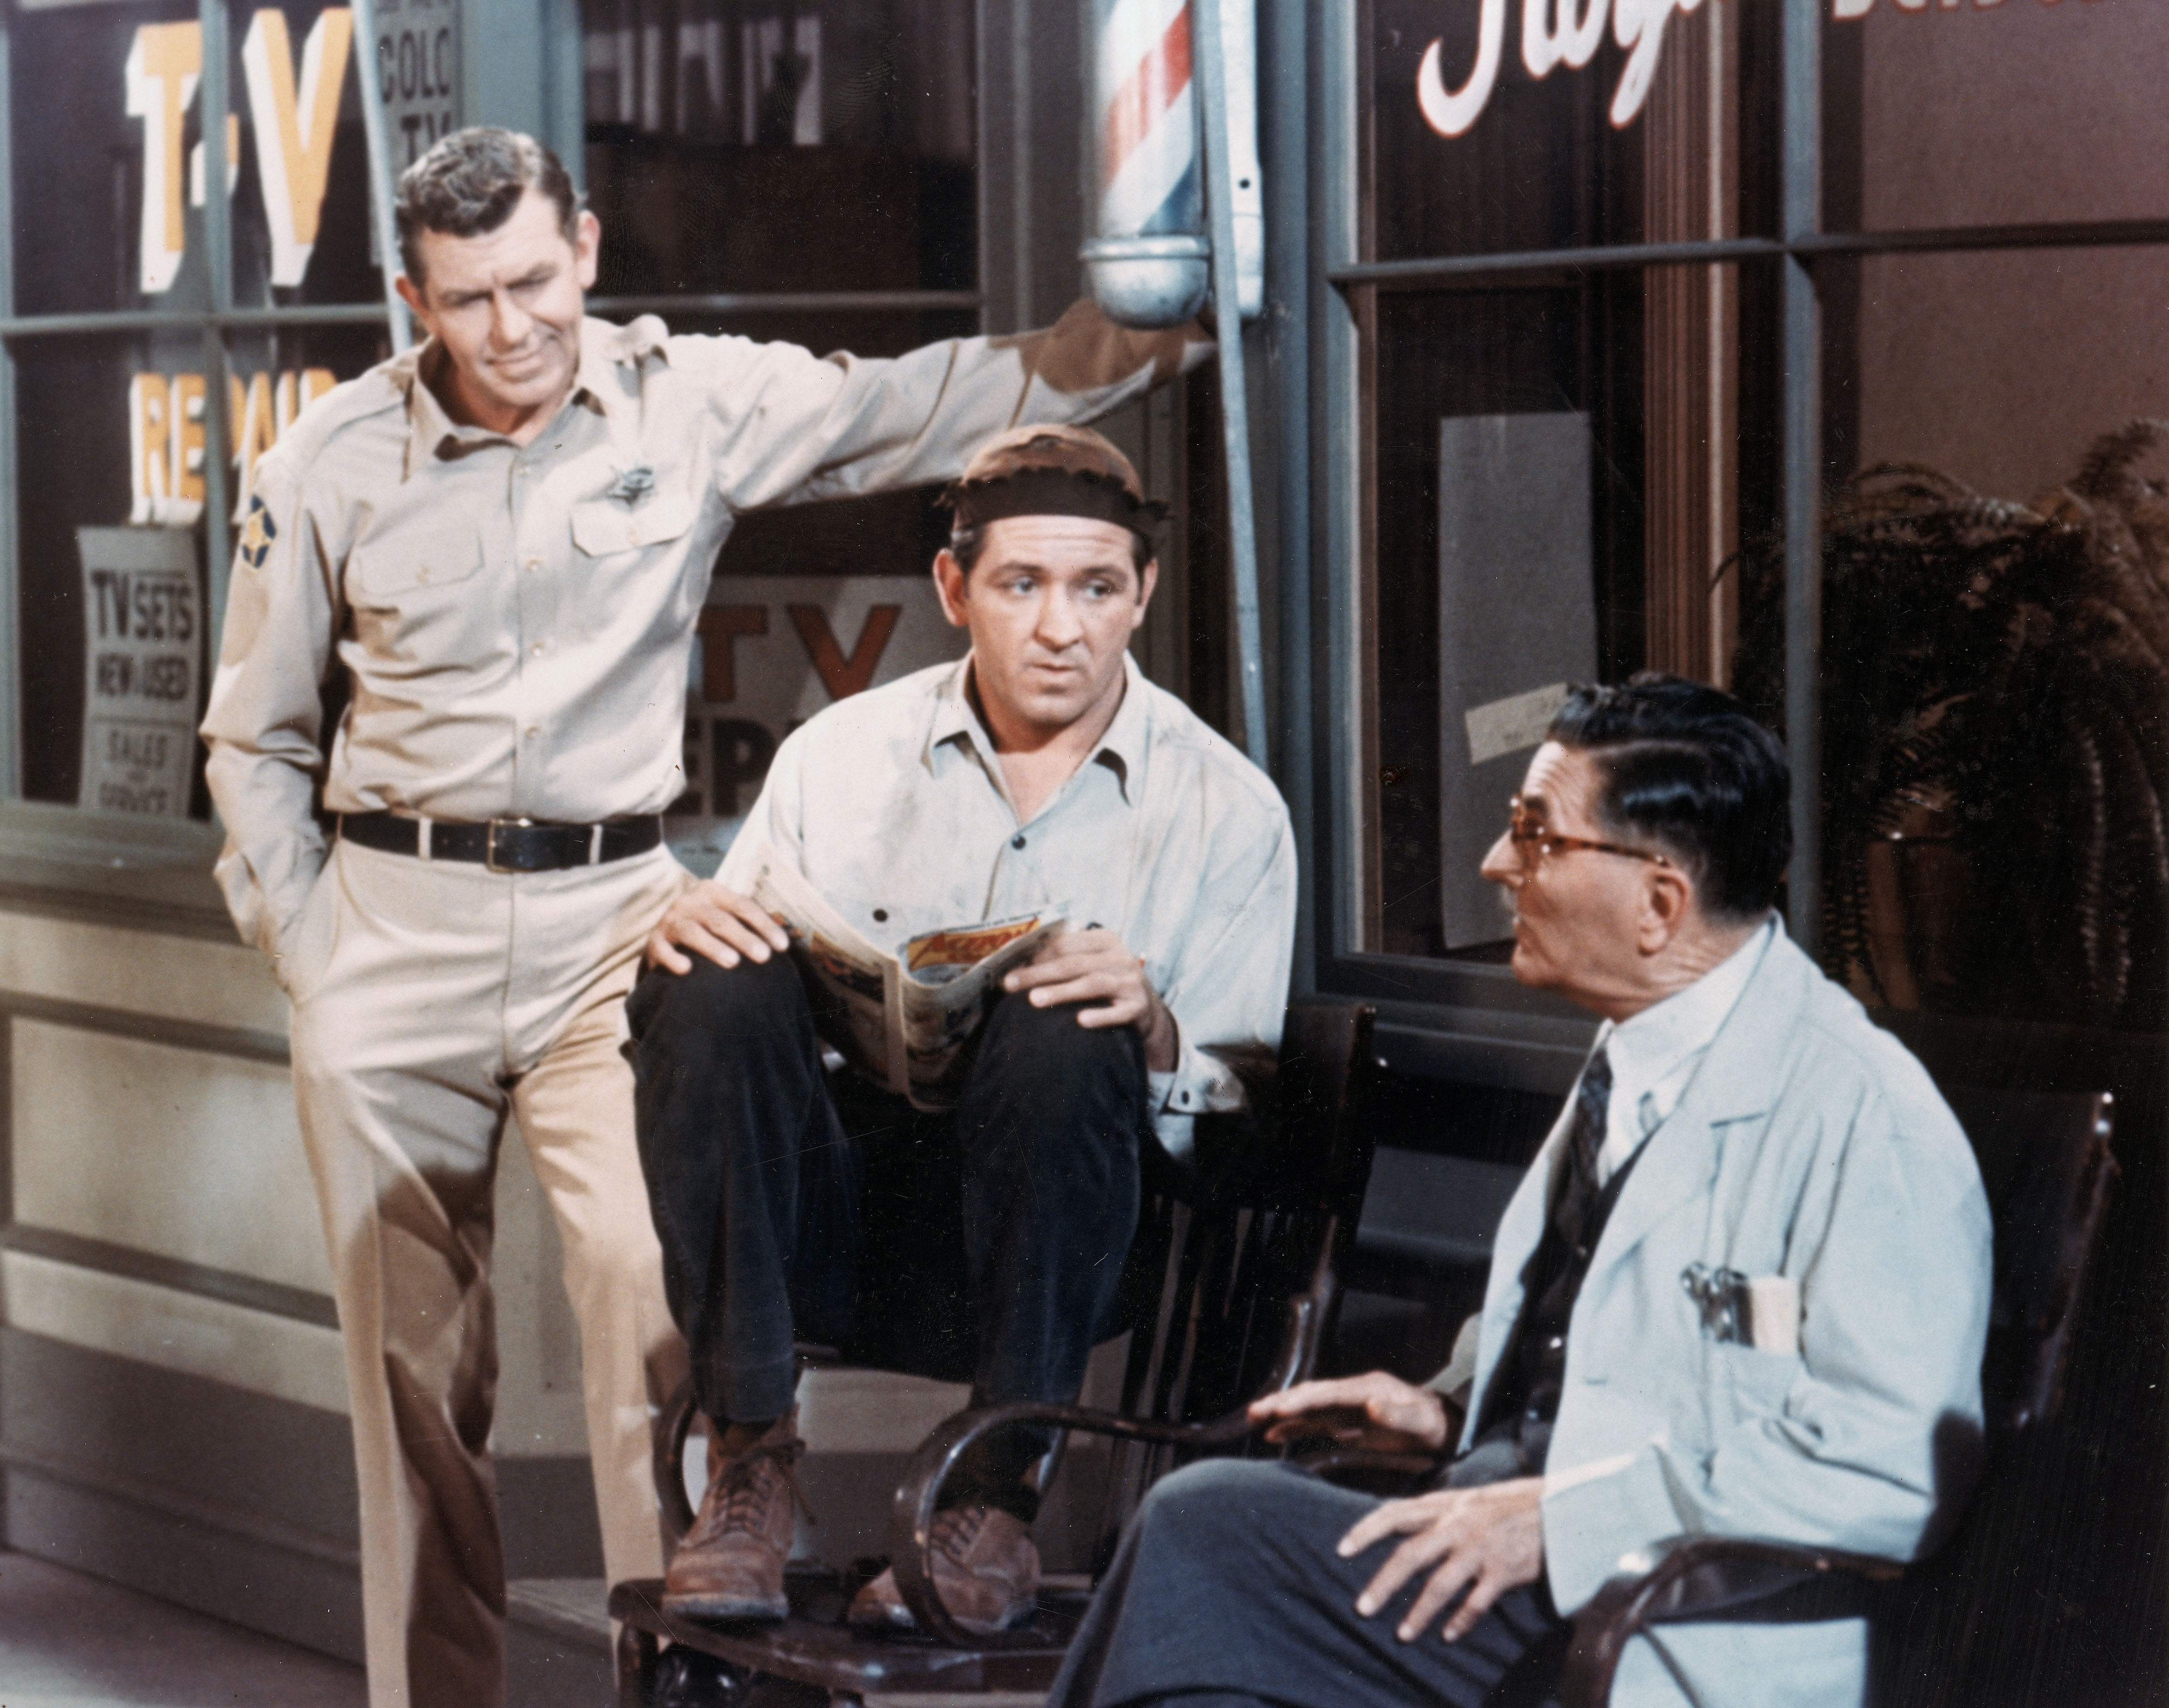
(142, 632)
(769, 653)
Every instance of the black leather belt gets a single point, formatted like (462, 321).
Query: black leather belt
(505, 845)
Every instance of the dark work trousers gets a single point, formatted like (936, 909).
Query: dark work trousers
(1227, 1591)
(986, 1244)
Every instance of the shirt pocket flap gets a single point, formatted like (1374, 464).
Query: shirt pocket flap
(604, 525)
(383, 570)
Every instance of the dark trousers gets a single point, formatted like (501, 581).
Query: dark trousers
(985, 1244)
(1227, 1591)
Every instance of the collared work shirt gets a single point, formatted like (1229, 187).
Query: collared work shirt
(1655, 1054)
(515, 620)
(892, 804)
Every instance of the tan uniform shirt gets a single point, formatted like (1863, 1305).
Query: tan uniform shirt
(516, 620)
(892, 803)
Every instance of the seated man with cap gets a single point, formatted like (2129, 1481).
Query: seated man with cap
(983, 1244)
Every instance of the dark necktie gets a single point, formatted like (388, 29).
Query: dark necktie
(1522, 1405)
(1592, 1101)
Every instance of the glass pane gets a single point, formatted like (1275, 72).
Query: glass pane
(104, 125)
(1607, 145)
(767, 147)
(1996, 719)
(114, 441)
(1556, 474)
(302, 229)
(108, 146)
(1928, 109)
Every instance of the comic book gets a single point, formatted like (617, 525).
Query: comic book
(903, 1019)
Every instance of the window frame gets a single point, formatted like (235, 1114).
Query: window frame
(82, 849)
(1469, 1019)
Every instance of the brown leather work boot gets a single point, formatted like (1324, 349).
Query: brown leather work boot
(730, 1565)
(986, 1571)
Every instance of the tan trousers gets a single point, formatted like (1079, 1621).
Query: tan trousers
(429, 1001)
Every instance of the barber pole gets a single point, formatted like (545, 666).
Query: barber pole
(1147, 112)
(1172, 151)
(1148, 261)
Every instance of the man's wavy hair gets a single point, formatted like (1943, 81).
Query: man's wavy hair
(470, 183)
(1685, 766)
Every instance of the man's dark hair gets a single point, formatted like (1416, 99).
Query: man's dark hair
(470, 183)
(1687, 767)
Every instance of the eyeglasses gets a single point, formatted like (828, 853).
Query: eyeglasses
(1527, 832)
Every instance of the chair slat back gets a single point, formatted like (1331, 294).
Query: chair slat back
(1267, 1216)
(1233, 1275)
(2045, 1161)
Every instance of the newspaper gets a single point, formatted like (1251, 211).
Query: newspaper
(903, 1020)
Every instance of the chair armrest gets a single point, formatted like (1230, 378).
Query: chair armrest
(911, 1520)
(667, 1461)
(1690, 1577)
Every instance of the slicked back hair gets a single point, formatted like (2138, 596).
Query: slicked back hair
(470, 183)
(1685, 766)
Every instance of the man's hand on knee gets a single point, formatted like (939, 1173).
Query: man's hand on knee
(1376, 1413)
(715, 922)
(1486, 1540)
(1095, 966)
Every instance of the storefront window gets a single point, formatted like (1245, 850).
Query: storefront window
(2012, 114)
(134, 447)
(299, 206)
(1574, 471)
(797, 171)
(766, 147)
(1554, 458)
(805, 173)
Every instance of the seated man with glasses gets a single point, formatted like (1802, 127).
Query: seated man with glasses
(1743, 1290)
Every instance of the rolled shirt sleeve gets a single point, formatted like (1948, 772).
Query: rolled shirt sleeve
(1229, 988)
(795, 428)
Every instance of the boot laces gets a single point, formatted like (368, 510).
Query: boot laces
(748, 1484)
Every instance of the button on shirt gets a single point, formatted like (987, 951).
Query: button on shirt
(516, 620)
(1655, 1054)
(891, 803)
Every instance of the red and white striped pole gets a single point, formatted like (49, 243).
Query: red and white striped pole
(1149, 258)
(1175, 149)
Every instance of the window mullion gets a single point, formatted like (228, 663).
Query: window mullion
(1800, 217)
(216, 101)
(11, 721)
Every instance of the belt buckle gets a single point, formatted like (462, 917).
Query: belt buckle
(489, 843)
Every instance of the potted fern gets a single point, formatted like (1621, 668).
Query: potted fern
(1996, 738)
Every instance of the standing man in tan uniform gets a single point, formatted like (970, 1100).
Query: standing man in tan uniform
(504, 537)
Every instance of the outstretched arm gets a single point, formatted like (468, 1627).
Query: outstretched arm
(792, 427)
